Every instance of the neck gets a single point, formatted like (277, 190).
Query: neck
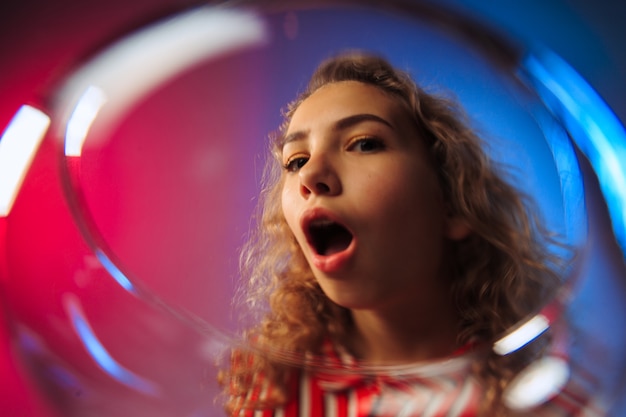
(401, 336)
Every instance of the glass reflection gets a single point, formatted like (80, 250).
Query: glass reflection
(161, 189)
(18, 145)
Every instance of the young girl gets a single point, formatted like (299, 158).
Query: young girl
(387, 238)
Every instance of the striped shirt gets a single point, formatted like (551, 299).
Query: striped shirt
(339, 388)
(336, 389)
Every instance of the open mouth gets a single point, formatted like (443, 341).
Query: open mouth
(328, 237)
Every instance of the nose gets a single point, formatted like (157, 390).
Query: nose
(319, 177)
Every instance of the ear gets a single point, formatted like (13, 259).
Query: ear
(456, 228)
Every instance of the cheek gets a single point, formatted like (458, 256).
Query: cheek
(416, 200)
(289, 208)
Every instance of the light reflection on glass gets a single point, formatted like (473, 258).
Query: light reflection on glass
(538, 383)
(114, 271)
(99, 353)
(533, 387)
(591, 123)
(81, 119)
(148, 58)
(523, 335)
(18, 146)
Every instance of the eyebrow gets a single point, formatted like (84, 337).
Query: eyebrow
(340, 124)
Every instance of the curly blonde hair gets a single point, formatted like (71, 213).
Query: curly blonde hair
(501, 273)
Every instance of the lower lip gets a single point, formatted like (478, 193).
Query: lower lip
(335, 262)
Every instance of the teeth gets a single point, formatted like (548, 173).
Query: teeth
(322, 223)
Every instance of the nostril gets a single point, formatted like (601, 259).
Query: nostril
(322, 187)
(304, 190)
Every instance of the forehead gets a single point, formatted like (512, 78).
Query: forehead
(342, 99)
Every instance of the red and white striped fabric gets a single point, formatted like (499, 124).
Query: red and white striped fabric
(341, 389)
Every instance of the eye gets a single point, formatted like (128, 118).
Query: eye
(295, 163)
(367, 145)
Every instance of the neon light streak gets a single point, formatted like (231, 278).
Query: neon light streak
(522, 335)
(591, 123)
(81, 120)
(99, 353)
(114, 271)
(18, 145)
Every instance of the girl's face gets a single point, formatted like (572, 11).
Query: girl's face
(363, 200)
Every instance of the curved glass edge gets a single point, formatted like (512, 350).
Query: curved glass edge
(167, 47)
(539, 71)
(592, 125)
(595, 129)
(93, 90)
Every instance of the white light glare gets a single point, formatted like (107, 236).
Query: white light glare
(18, 145)
(522, 335)
(537, 384)
(137, 64)
(81, 119)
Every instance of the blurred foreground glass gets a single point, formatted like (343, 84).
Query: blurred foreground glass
(122, 245)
